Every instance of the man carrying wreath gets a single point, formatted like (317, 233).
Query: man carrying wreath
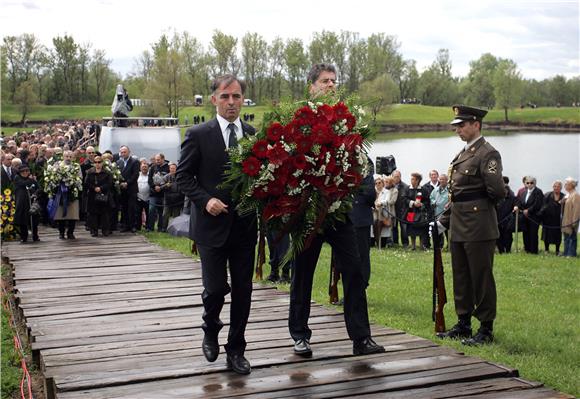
(223, 237)
(342, 238)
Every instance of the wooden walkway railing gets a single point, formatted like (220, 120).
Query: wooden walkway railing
(119, 317)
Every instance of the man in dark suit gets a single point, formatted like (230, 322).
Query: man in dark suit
(221, 235)
(342, 239)
(7, 172)
(475, 184)
(129, 167)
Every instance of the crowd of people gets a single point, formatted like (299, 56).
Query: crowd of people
(402, 213)
(60, 185)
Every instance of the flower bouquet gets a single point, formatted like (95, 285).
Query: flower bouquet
(64, 177)
(114, 170)
(301, 170)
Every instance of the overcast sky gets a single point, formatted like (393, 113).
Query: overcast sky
(541, 36)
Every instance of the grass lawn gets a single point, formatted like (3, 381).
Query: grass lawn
(411, 113)
(538, 309)
(397, 114)
(10, 363)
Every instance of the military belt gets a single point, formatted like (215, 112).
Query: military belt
(464, 197)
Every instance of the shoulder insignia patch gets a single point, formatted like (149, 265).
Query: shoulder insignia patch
(492, 166)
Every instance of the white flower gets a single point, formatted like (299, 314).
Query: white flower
(334, 206)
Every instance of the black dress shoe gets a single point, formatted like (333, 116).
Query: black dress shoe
(302, 348)
(460, 330)
(285, 279)
(366, 347)
(273, 278)
(239, 364)
(71, 236)
(61, 237)
(36, 239)
(210, 348)
(483, 336)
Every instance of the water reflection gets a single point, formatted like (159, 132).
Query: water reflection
(547, 156)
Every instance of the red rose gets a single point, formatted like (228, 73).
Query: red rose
(260, 194)
(275, 132)
(276, 188)
(327, 112)
(340, 110)
(351, 141)
(350, 121)
(251, 166)
(260, 149)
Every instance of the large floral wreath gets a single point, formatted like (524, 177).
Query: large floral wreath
(302, 169)
(64, 177)
(115, 172)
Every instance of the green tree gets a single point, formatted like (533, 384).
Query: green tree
(379, 93)
(383, 56)
(296, 64)
(328, 47)
(195, 64)
(275, 68)
(23, 54)
(436, 85)
(25, 99)
(254, 63)
(224, 53)
(409, 80)
(479, 88)
(507, 84)
(356, 63)
(559, 92)
(65, 66)
(101, 72)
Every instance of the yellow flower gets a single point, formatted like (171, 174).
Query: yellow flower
(4, 208)
(11, 219)
(8, 197)
(9, 227)
(7, 191)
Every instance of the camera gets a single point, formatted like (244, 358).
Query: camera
(386, 165)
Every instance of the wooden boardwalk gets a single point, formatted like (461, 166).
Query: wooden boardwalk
(118, 317)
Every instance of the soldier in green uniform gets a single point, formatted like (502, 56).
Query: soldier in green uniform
(475, 185)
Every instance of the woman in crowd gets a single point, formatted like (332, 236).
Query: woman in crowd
(99, 185)
(418, 204)
(172, 197)
(570, 217)
(529, 203)
(384, 209)
(551, 213)
(25, 186)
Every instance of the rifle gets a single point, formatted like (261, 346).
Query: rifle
(333, 283)
(261, 253)
(439, 294)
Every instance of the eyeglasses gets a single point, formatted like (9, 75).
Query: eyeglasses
(98, 161)
(530, 183)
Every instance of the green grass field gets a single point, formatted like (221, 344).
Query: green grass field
(397, 114)
(538, 309)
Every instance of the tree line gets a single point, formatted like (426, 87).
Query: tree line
(179, 66)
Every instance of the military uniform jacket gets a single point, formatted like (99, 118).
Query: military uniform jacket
(475, 184)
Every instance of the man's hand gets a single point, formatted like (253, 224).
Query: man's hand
(123, 185)
(214, 207)
(157, 189)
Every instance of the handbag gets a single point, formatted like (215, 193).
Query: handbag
(101, 198)
(35, 208)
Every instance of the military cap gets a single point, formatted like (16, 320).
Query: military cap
(464, 113)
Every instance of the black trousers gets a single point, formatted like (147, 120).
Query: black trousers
(277, 251)
(23, 229)
(505, 240)
(101, 220)
(530, 234)
(128, 209)
(364, 251)
(343, 241)
(239, 255)
(403, 233)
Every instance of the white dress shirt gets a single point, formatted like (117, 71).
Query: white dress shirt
(224, 123)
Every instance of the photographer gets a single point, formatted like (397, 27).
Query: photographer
(121, 107)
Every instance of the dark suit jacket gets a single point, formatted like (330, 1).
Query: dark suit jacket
(200, 171)
(533, 204)
(6, 181)
(130, 173)
(361, 214)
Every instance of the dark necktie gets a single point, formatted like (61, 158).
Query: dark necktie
(233, 140)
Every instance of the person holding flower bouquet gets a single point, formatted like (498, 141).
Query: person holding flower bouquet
(99, 186)
(222, 236)
(63, 182)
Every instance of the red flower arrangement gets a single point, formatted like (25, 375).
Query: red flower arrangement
(300, 171)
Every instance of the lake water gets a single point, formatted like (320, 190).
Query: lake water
(546, 156)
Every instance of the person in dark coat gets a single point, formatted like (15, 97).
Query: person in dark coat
(418, 209)
(129, 166)
(506, 219)
(97, 181)
(529, 203)
(551, 216)
(24, 188)
(401, 209)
